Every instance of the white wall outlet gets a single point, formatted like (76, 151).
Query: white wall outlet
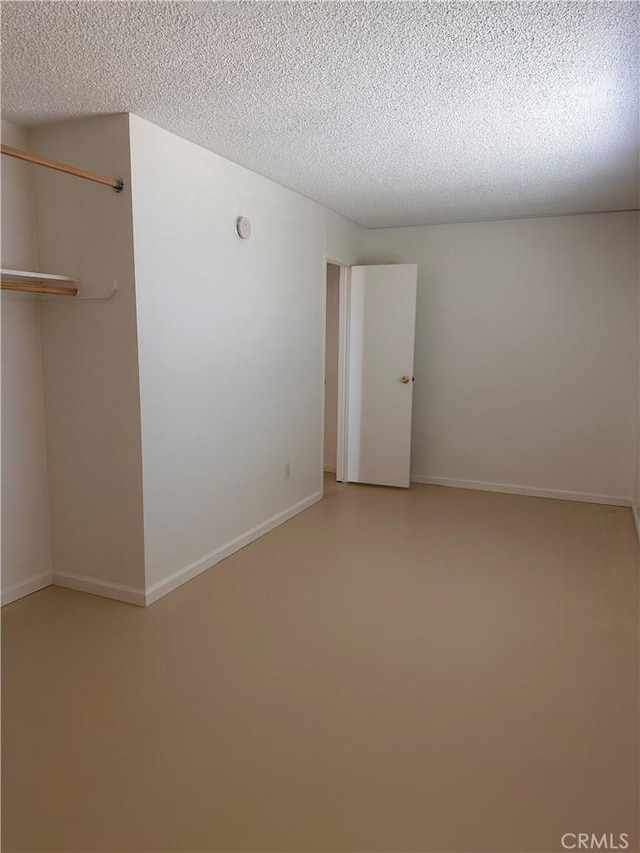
(287, 470)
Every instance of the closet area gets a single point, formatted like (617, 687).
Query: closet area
(71, 491)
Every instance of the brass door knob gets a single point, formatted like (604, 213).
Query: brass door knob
(405, 380)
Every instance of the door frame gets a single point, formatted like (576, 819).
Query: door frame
(344, 303)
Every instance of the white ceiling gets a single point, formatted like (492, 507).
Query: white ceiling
(392, 113)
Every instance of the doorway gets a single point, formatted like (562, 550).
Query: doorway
(331, 372)
(370, 319)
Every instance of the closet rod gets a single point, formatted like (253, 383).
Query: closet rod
(52, 289)
(116, 183)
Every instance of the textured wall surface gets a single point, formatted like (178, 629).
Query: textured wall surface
(390, 113)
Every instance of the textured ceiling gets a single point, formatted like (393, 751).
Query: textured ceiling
(392, 113)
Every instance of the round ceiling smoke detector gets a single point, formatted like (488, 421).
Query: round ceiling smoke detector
(243, 228)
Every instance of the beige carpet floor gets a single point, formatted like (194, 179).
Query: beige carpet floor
(423, 670)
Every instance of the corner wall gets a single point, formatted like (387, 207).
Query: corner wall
(231, 344)
(526, 353)
(85, 354)
(26, 540)
(90, 363)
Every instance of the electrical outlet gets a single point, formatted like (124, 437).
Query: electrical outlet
(287, 470)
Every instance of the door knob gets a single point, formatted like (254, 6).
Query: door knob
(405, 380)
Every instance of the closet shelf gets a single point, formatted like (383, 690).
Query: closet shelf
(47, 284)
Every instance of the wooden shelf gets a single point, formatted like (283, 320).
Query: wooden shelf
(34, 277)
(47, 284)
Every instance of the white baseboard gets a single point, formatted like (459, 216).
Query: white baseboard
(636, 517)
(173, 581)
(19, 590)
(106, 589)
(557, 494)
(330, 469)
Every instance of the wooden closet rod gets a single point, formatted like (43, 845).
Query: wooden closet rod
(52, 289)
(116, 183)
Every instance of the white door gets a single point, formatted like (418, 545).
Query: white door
(382, 321)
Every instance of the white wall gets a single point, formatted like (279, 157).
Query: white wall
(90, 363)
(345, 239)
(526, 351)
(26, 546)
(636, 491)
(231, 351)
(214, 463)
(331, 368)
(19, 243)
